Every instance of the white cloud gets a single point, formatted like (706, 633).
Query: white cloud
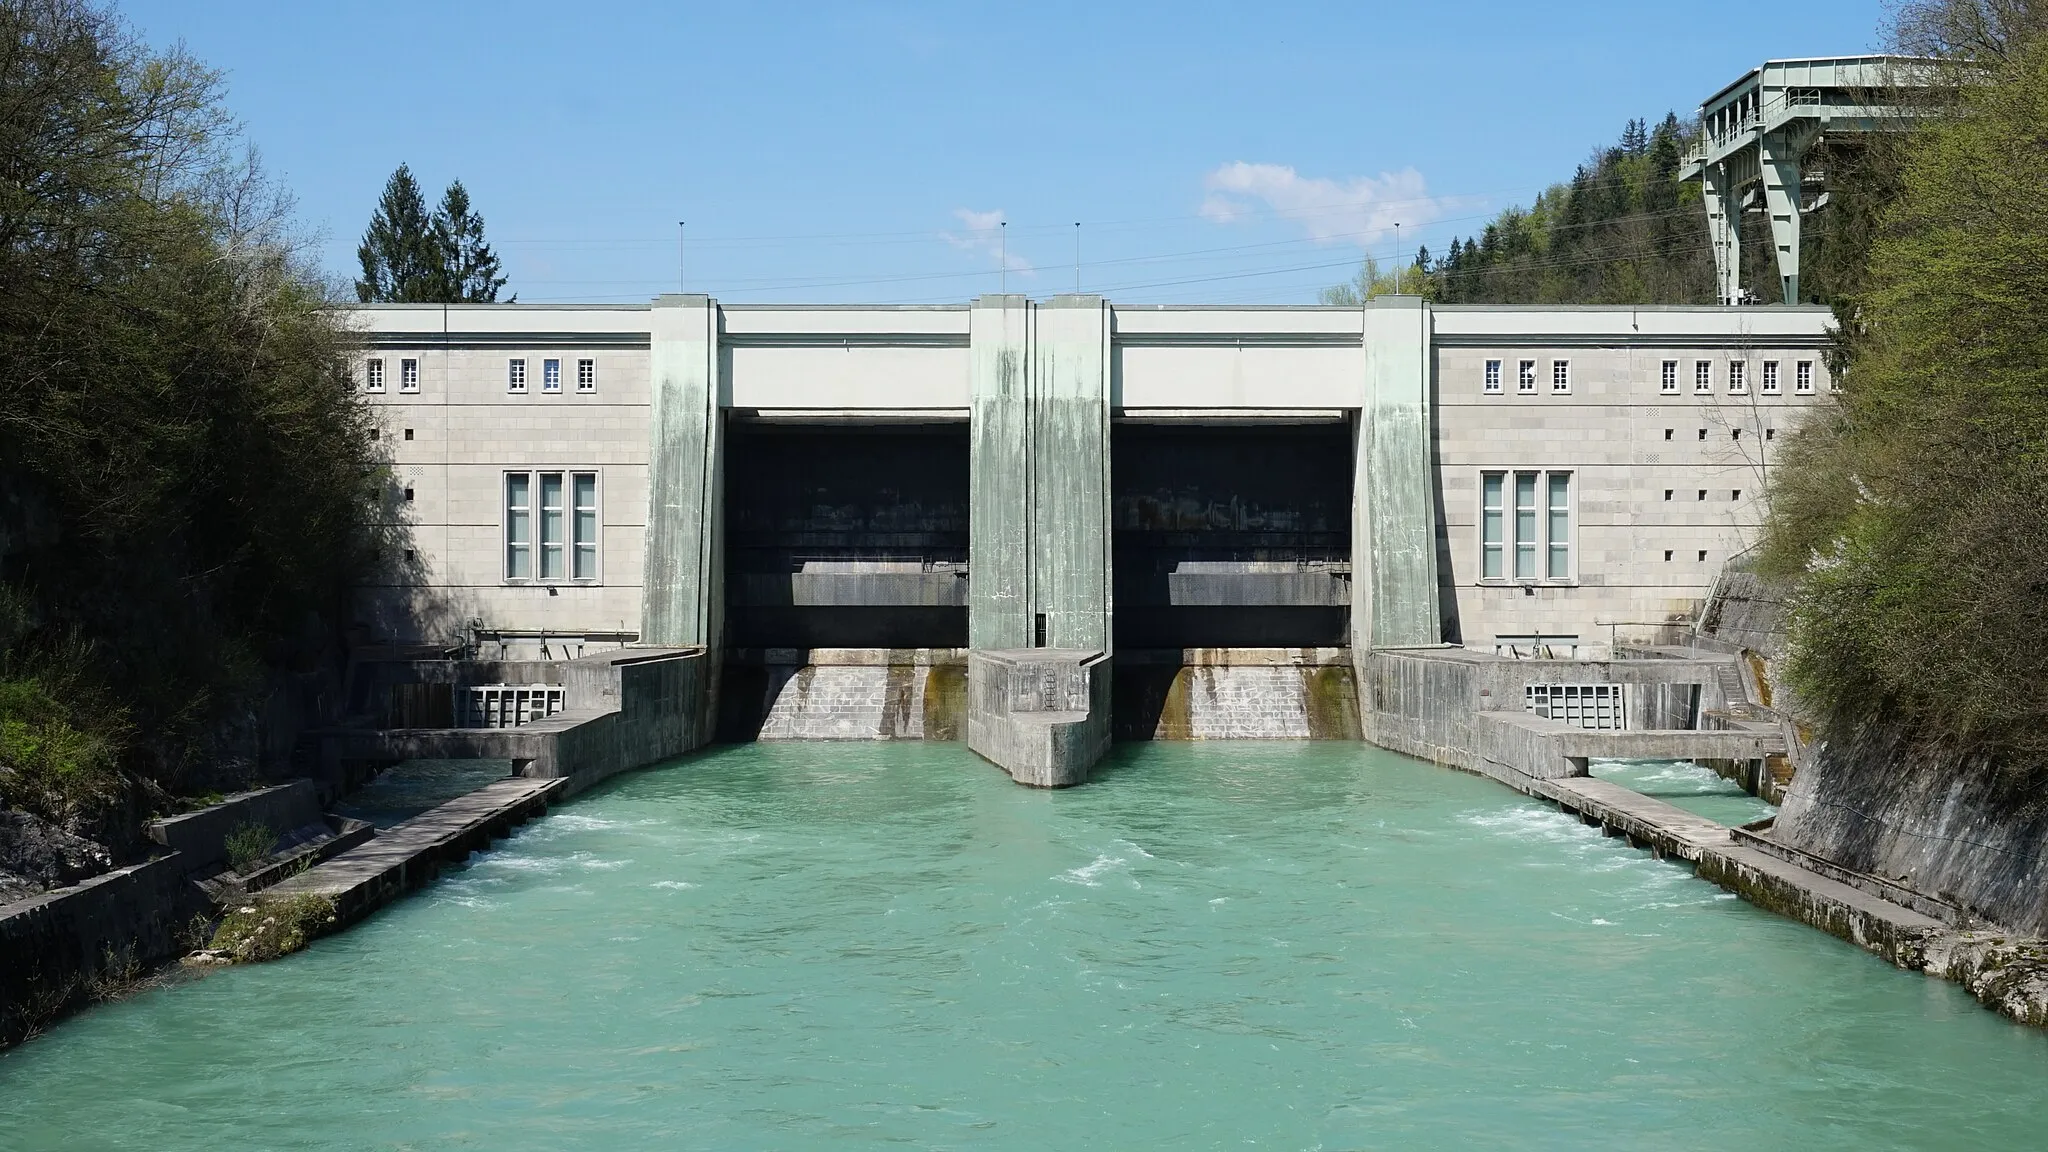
(983, 234)
(1357, 210)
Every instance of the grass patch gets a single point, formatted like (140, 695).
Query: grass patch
(248, 844)
(266, 929)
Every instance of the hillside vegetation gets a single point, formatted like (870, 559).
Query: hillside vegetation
(185, 474)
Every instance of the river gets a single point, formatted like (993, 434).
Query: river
(1299, 946)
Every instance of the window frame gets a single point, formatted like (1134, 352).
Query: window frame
(1768, 384)
(571, 546)
(586, 374)
(551, 375)
(1560, 377)
(515, 375)
(1802, 378)
(1738, 377)
(1667, 379)
(1498, 500)
(1491, 380)
(373, 374)
(1525, 378)
(409, 374)
(1703, 377)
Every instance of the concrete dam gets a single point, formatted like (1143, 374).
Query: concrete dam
(1039, 525)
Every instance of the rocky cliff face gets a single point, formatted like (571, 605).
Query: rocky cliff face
(1953, 826)
(36, 855)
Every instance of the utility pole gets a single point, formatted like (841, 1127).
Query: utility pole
(679, 256)
(1077, 257)
(1003, 255)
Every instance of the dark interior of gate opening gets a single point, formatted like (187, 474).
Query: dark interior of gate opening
(1232, 536)
(1226, 535)
(846, 535)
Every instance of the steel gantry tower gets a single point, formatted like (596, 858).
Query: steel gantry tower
(1758, 130)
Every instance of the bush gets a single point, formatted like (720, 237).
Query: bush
(267, 928)
(249, 844)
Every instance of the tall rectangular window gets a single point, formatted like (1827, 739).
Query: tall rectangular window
(1558, 532)
(584, 530)
(408, 375)
(1526, 515)
(1525, 376)
(373, 375)
(551, 524)
(1525, 525)
(1738, 376)
(586, 375)
(1493, 376)
(515, 375)
(1770, 380)
(1490, 526)
(1560, 375)
(1668, 382)
(518, 526)
(551, 375)
(1802, 380)
(1703, 376)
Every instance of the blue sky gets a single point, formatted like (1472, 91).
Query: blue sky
(1225, 153)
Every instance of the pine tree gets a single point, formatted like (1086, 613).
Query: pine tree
(470, 269)
(401, 256)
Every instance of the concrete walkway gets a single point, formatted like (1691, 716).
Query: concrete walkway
(410, 855)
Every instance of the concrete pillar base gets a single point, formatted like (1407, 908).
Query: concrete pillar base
(1040, 714)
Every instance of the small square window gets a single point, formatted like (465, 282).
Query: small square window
(1668, 432)
(551, 375)
(1703, 376)
(1668, 382)
(408, 495)
(1770, 433)
(1738, 376)
(1735, 433)
(408, 375)
(515, 376)
(1560, 375)
(373, 375)
(1667, 555)
(1525, 376)
(375, 435)
(1770, 379)
(1703, 433)
(586, 376)
(1667, 493)
(1735, 494)
(1703, 555)
(1703, 494)
(1802, 378)
(408, 433)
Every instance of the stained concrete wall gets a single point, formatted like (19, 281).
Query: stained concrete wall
(1039, 484)
(52, 943)
(201, 837)
(684, 601)
(1943, 823)
(1279, 700)
(845, 694)
(1394, 585)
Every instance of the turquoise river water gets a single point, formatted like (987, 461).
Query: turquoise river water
(1299, 946)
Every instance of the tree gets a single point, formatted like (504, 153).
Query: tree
(188, 485)
(403, 258)
(470, 268)
(410, 257)
(1909, 515)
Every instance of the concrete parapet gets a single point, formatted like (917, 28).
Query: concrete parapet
(625, 709)
(53, 943)
(1040, 714)
(201, 837)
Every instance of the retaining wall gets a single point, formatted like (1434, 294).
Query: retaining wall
(1040, 714)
